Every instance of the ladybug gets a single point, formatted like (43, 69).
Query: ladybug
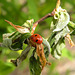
(36, 38)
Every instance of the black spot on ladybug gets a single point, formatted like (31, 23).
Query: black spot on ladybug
(35, 35)
(36, 40)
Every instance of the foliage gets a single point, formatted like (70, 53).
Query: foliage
(35, 66)
(12, 10)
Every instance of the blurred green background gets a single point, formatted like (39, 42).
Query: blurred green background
(17, 12)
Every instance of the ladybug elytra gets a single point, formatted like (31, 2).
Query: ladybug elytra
(36, 38)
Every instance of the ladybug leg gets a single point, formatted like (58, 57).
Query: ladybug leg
(48, 63)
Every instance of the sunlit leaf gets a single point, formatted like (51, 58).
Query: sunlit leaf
(15, 41)
(62, 19)
(62, 33)
(20, 29)
(46, 43)
(57, 49)
(72, 24)
(56, 42)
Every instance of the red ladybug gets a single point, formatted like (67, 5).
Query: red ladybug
(36, 38)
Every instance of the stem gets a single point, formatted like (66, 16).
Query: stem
(42, 19)
(45, 17)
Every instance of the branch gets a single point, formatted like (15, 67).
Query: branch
(45, 17)
(42, 19)
(49, 14)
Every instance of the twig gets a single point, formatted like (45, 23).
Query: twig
(42, 19)
(45, 17)
(48, 15)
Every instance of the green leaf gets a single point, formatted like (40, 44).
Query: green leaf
(56, 55)
(62, 33)
(34, 66)
(46, 52)
(73, 33)
(47, 48)
(29, 24)
(51, 39)
(46, 43)
(62, 19)
(56, 42)
(57, 49)
(71, 24)
(15, 41)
